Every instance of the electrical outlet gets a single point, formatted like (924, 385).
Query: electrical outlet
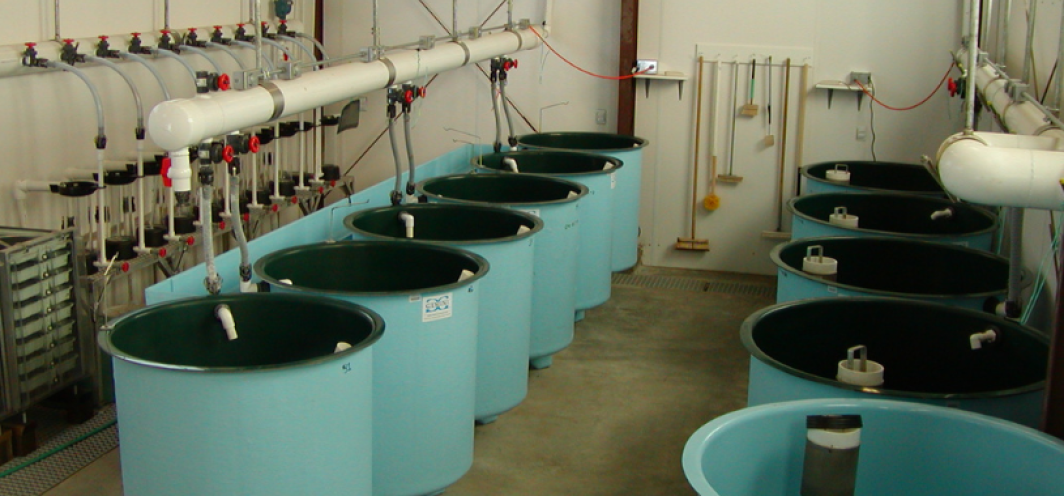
(646, 66)
(600, 117)
(864, 78)
(861, 134)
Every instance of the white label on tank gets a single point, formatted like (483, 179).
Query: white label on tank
(613, 180)
(436, 307)
(533, 212)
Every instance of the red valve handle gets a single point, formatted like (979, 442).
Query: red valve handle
(422, 92)
(240, 25)
(952, 86)
(68, 41)
(223, 82)
(125, 266)
(221, 225)
(246, 217)
(283, 21)
(103, 37)
(295, 200)
(164, 31)
(135, 35)
(30, 44)
(219, 27)
(274, 207)
(191, 240)
(408, 96)
(227, 154)
(254, 143)
(162, 252)
(164, 170)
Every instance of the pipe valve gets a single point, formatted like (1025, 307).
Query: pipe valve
(166, 42)
(241, 34)
(30, 58)
(218, 37)
(69, 52)
(136, 45)
(192, 39)
(103, 49)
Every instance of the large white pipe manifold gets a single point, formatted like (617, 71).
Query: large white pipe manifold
(178, 124)
(1023, 169)
(1003, 169)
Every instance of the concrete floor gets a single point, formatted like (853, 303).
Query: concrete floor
(612, 414)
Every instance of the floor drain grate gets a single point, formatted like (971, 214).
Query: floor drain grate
(686, 284)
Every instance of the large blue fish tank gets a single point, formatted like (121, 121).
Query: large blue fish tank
(627, 149)
(556, 202)
(929, 353)
(424, 369)
(281, 409)
(859, 176)
(891, 214)
(882, 266)
(505, 238)
(905, 449)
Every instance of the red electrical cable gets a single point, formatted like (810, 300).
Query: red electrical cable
(921, 102)
(589, 73)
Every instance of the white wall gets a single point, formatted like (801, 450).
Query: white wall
(586, 32)
(905, 44)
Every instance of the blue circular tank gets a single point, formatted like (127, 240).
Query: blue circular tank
(593, 272)
(424, 369)
(275, 411)
(905, 268)
(627, 149)
(505, 238)
(926, 349)
(554, 271)
(893, 214)
(872, 177)
(908, 449)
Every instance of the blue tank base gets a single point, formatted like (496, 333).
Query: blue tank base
(579, 315)
(540, 363)
(490, 419)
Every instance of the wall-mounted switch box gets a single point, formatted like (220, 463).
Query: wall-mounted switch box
(646, 66)
(864, 78)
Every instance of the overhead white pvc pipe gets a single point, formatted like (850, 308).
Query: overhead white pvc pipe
(177, 124)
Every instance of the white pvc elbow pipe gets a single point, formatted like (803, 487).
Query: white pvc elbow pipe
(408, 221)
(945, 213)
(180, 123)
(976, 340)
(225, 316)
(511, 163)
(1003, 169)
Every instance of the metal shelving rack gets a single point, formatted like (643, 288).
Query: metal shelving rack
(46, 342)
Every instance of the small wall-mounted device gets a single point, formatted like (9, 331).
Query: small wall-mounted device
(646, 66)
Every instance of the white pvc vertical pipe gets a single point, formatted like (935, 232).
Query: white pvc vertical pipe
(1003, 30)
(1060, 60)
(1032, 8)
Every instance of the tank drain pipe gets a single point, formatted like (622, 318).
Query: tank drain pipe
(238, 228)
(510, 163)
(213, 282)
(397, 190)
(500, 68)
(408, 221)
(411, 187)
(139, 134)
(225, 315)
